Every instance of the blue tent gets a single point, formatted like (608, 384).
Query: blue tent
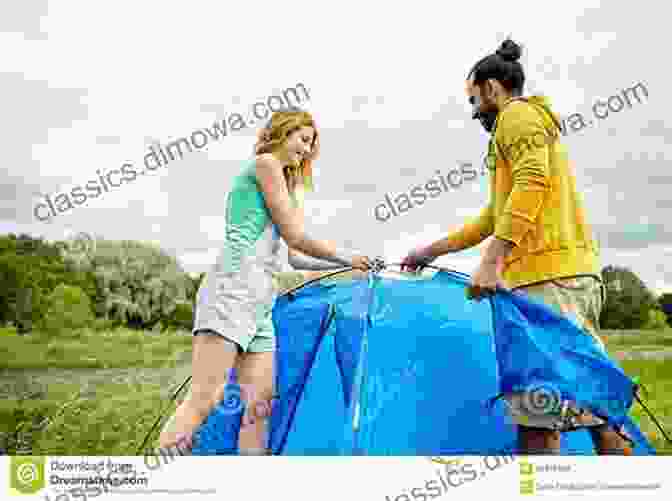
(390, 366)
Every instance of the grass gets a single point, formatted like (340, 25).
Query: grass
(92, 350)
(654, 375)
(103, 391)
(639, 339)
(112, 423)
(107, 411)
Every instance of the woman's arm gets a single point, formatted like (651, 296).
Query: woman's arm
(288, 220)
(302, 262)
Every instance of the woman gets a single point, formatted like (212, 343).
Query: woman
(233, 324)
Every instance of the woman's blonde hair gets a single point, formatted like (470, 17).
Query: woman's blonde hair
(273, 136)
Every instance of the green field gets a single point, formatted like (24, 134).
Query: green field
(98, 393)
(102, 391)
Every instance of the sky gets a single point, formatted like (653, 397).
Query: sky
(89, 87)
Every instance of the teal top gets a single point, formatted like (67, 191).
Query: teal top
(247, 217)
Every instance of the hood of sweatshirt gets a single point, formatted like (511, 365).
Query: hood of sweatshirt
(543, 105)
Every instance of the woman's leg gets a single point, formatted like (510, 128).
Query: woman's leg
(256, 377)
(212, 359)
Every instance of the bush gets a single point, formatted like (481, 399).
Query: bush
(657, 320)
(183, 316)
(286, 280)
(68, 309)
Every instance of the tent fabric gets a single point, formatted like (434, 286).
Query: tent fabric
(385, 366)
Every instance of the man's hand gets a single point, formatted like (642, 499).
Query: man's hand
(417, 259)
(488, 275)
(484, 281)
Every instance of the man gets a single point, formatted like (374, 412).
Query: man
(542, 242)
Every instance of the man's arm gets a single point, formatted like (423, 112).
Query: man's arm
(470, 235)
(497, 251)
(530, 173)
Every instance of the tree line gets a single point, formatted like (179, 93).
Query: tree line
(100, 283)
(54, 286)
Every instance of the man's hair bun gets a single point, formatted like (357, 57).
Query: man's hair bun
(509, 50)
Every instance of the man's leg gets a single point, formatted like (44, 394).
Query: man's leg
(581, 299)
(538, 441)
(609, 443)
(536, 427)
(588, 305)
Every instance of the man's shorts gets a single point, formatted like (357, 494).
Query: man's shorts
(581, 300)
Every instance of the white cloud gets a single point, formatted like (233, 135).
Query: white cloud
(387, 97)
(198, 261)
(320, 212)
(212, 226)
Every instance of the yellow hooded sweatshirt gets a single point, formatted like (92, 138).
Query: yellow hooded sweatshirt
(533, 199)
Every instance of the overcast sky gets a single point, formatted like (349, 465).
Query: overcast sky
(88, 86)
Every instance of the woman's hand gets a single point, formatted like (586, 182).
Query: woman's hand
(361, 263)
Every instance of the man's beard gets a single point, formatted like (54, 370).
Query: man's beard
(487, 119)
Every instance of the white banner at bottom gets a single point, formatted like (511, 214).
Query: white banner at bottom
(72, 478)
